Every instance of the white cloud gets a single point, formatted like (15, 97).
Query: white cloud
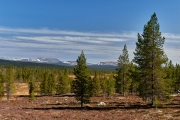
(103, 46)
(171, 36)
(6, 30)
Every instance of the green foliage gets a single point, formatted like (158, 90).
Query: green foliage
(31, 89)
(157, 103)
(44, 84)
(48, 84)
(110, 85)
(82, 85)
(2, 78)
(64, 83)
(1, 87)
(122, 79)
(176, 84)
(46, 79)
(51, 84)
(170, 77)
(133, 76)
(150, 57)
(96, 86)
(103, 81)
(10, 86)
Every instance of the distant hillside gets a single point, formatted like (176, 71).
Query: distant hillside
(59, 64)
(108, 67)
(30, 64)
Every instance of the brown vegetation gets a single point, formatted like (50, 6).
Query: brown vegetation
(117, 107)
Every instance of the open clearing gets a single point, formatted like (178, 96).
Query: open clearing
(66, 107)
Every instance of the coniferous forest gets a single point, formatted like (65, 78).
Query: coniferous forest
(151, 77)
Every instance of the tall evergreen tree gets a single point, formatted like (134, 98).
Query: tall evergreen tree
(122, 80)
(149, 56)
(82, 85)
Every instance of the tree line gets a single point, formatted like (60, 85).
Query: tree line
(44, 80)
(150, 74)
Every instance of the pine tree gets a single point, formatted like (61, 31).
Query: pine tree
(82, 85)
(103, 82)
(133, 76)
(149, 56)
(48, 84)
(44, 84)
(96, 87)
(63, 85)
(177, 79)
(19, 75)
(31, 88)
(25, 75)
(122, 80)
(10, 86)
(170, 78)
(110, 88)
(51, 84)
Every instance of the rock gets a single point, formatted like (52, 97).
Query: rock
(101, 104)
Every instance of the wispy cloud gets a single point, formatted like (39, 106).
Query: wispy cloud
(67, 45)
(61, 32)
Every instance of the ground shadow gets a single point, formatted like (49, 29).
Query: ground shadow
(147, 106)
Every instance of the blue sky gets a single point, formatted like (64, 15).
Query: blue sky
(63, 28)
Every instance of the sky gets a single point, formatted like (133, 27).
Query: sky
(63, 28)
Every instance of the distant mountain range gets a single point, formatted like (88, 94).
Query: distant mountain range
(109, 64)
(55, 61)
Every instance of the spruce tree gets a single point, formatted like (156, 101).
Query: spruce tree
(103, 83)
(149, 56)
(110, 85)
(122, 80)
(63, 85)
(48, 84)
(44, 84)
(96, 87)
(32, 87)
(51, 84)
(170, 78)
(82, 85)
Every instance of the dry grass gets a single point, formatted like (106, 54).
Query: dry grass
(67, 108)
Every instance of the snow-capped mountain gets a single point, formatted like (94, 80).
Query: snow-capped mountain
(55, 61)
(40, 59)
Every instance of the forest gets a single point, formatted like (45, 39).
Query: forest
(151, 75)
